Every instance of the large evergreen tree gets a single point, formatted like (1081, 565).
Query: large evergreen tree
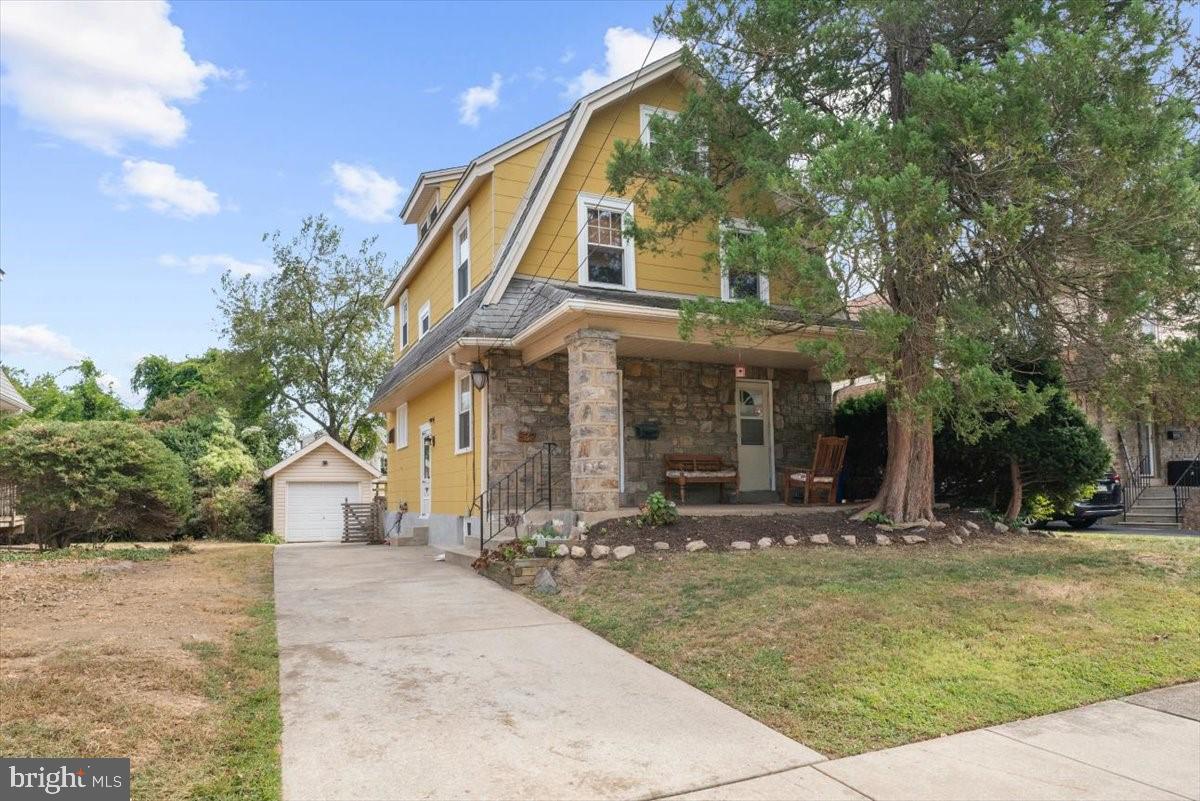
(990, 171)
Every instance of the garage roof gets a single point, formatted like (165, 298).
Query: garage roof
(324, 439)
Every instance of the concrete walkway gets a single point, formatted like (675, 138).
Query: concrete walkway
(407, 678)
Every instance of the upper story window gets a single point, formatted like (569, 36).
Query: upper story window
(428, 222)
(423, 320)
(463, 397)
(647, 135)
(744, 283)
(462, 258)
(401, 428)
(404, 321)
(606, 254)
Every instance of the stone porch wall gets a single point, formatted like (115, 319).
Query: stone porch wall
(692, 402)
(528, 407)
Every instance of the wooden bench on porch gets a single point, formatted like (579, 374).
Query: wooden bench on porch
(683, 469)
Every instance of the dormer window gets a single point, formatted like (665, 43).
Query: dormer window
(647, 134)
(427, 224)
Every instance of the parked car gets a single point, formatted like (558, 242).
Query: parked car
(1106, 501)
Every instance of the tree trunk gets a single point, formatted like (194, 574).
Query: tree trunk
(1014, 503)
(907, 491)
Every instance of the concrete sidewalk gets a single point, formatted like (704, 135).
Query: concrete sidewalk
(1142, 747)
(402, 677)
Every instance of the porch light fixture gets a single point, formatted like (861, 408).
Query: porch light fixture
(479, 375)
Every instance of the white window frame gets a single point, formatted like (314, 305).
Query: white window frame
(648, 112)
(459, 377)
(742, 227)
(462, 223)
(617, 204)
(424, 320)
(405, 334)
(401, 426)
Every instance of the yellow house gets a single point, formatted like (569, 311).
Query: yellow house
(538, 358)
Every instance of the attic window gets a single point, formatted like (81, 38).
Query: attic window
(428, 222)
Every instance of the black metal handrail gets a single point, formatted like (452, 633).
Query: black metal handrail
(1137, 478)
(504, 503)
(1182, 491)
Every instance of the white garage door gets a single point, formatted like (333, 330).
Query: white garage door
(314, 509)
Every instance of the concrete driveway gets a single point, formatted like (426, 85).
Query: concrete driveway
(402, 677)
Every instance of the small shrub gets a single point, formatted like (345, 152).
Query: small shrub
(271, 538)
(878, 517)
(657, 511)
(182, 546)
(235, 512)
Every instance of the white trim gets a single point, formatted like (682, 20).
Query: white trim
(768, 425)
(743, 227)
(324, 439)
(424, 314)
(401, 424)
(628, 261)
(459, 377)
(584, 109)
(463, 222)
(423, 182)
(405, 331)
(646, 112)
(423, 512)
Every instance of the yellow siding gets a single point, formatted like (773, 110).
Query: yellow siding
(510, 183)
(456, 477)
(553, 252)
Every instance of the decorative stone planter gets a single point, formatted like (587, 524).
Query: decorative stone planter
(517, 573)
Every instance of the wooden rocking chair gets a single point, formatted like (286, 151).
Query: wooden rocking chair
(820, 479)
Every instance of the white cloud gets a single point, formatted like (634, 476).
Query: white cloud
(364, 194)
(37, 340)
(567, 56)
(202, 263)
(432, 90)
(163, 189)
(624, 52)
(100, 74)
(476, 98)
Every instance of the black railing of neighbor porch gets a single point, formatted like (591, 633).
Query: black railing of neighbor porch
(502, 506)
(1185, 486)
(1137, 478)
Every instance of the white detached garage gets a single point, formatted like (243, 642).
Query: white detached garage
(309, 487)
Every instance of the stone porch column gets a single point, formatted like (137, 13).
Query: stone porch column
(595, 447)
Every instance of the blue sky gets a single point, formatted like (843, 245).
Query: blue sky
(143, 148)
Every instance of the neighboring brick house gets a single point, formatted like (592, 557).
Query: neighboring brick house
(524, 318)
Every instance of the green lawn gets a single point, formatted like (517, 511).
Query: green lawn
(852, 650)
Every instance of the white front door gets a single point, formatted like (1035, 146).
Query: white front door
(314, 509)
(753, 401)
(426, 470)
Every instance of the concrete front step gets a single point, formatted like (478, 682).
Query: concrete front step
(1166, 525)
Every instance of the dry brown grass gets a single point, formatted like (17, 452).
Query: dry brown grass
(111, 658)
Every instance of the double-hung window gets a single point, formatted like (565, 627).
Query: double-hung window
(423, 320)
(648, 113)
(741, 281)
(401, 428)
(404, 321)
(462, 258)
(462, 411)
(605, 252)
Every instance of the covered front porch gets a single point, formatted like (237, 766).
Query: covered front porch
(611, 404)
